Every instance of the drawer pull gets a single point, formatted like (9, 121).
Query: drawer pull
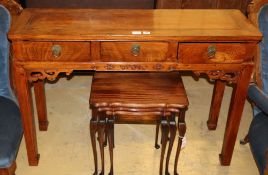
(135, 50)
(56, 50)
(212, 51)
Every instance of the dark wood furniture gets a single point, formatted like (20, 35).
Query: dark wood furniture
(13, 6)
(145, 98)
(47, 42)
(204, 4)
(135, 4)
(141, 4)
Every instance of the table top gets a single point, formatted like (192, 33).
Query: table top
(174, 25)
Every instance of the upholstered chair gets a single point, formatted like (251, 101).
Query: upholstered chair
(10, 122)
(258, 92)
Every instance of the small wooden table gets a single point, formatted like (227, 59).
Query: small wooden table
(137, 98)
(218, 43)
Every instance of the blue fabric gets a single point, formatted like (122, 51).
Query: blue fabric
(10, 131)
(263, 25)
(258, 131)
(10, 120)
(258, 139)
(5, 89)
(256, 95)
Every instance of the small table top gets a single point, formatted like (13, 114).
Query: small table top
(138, 89)
(88, 24)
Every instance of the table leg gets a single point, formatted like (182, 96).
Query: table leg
(40, 100)
(156, 145)
(101, 136)
(25, 102)
(93, 130)
(182, 130)
(110, 134)
(234, 115)
(164, 129)
(215, 106)
(172, 126)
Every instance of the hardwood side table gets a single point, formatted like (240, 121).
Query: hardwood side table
(47, 42)
(144, 98)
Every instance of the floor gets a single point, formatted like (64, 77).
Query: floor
(66, 149)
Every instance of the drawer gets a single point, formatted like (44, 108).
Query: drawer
(138, 51)
(191, 53)
(51, 51)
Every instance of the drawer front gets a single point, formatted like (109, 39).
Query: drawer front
(138, 51)
(52, 51)
(215, 53)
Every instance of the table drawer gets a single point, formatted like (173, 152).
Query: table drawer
(197, 53)
(138, 51)
(52, 51)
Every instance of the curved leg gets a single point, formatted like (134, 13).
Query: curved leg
(110, 135)
(164, 129)
(93, 130)
(182, 130)
(106, 136)
(172, 127)
(156, 145)
(113, 134)
(101, 135)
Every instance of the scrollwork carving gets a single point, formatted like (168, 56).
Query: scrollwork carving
(158, 67)
(46, 74)
(109, 67)
(13, 7)
(230, 77)
(133, 67)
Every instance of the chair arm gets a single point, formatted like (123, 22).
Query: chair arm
(256, 95)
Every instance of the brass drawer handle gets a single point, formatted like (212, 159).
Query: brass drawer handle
(135, 50)
(56, 50)
(212, 51)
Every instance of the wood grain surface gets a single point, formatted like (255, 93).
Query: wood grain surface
(154, 89)
(225, 53)
(85, 24)
(148, 51)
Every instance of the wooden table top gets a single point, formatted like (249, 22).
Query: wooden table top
(138, 90)
(173, 25)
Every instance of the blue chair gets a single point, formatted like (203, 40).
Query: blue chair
(10, 121)
(258, 131)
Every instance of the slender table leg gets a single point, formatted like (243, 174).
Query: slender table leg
(101, 135)
(172, 126)
(215, 106)
(156, 145)
(40, 100)
(182, 130)
(234, 115)
(164, 129)
(93, 130)
(25, 102)
(110, 134)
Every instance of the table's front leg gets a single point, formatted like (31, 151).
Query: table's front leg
(215, 106)
(26, 109)
(234, 115)
(40, 100)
